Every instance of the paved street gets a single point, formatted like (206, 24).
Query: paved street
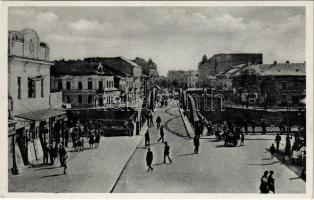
(216, 169)
(93, 170)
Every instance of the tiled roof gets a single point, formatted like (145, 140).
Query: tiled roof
(78, 67)
(279, 69)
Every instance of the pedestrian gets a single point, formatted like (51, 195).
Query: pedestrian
(277, 140)
(51, 154)
(65, 164)
(263, 125)
(158, 120)
(151, 118)
(253, 126)
(46, 153)
(62, 154)
(246, 127)
(56, 151)
(287, 148)
(166, 152)
(264, 184)
(147, 139)
(242, 139)
(196, 142)
(66, 135)
(161, 131)
(149, 159)
(97, 139)
(272, 150)
(91, 140)
(271, 182)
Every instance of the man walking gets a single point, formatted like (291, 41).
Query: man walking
(271, 182)
(277, 140)
(51, 154)
(158, 120)
(46, 152)
(147, 139)
(149, 160)
(62, 154)
(253, 126)
(272, 150)
(263, 125)
(242, 139)
(196, 144)
(166, 152)
(161, 134)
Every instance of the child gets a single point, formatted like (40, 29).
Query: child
(65, 164)
(272, 150)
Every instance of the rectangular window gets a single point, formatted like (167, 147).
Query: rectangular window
(90, 85)
(284, 85)
(79, 98)
(68, 86)
(79, 86)
(19, 82)
(100, 85)
(59, 84)
(42, 88)
(31, 88)
(90, 99)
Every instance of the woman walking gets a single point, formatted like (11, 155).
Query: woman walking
(91, 140)
(97, 139)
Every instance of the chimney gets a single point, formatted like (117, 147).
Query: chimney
(287, 61)
(275, 62)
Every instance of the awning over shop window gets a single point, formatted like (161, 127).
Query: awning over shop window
(40, 115)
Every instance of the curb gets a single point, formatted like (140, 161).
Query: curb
(126, 163)
(186, 128)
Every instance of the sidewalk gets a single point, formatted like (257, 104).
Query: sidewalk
(92, 170)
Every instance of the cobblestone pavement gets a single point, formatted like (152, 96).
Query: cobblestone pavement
(93, 170)
(216, 169)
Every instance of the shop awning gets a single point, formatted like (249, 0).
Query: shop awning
(40, 115)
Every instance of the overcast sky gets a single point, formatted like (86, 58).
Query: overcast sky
(174, 37)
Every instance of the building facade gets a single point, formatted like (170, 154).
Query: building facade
(222, 62)
(280, 84)
(83, 84)
(33, 108)
(191, 78)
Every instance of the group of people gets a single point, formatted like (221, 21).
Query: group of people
(267, 183)
(149, 155)
(54, 153)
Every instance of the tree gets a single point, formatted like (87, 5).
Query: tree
(268, 89)
(248, 80)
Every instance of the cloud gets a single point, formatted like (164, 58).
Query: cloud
(85, 25)
(49, 17)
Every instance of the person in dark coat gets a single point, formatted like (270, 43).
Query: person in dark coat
(147, 139)
(91, 140)
(263, 125)
(287, 148)
(253, 126)
(271, 182)
(66, 135)
(245, 126)
(277, 140)
(97, 139)
(46, 153)
(166, 152)
(149, 159)
(62, 154)
(272, 150)
(161, 131)
(264, 184)
(196, 142)
(51, 154)
(158, 120)
(56, 151)
(242, 139)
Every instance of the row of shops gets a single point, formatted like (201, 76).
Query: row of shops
(28, 132)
